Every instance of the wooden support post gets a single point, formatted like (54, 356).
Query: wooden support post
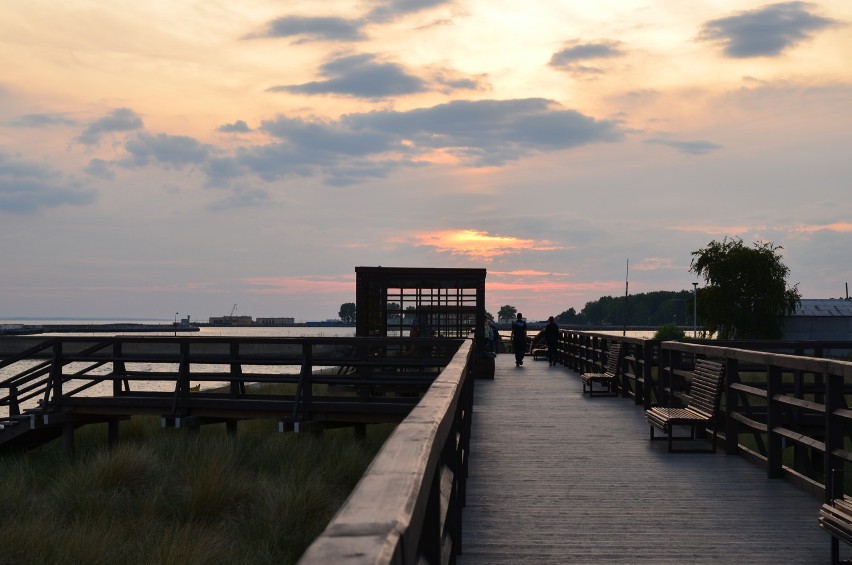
(834, 437)
(112, 432)
(238, 387)
(118, 369)
(774, 460)
(649, 387)
(732, 376)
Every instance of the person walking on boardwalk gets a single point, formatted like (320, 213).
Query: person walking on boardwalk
(551, 336)
(519, 339)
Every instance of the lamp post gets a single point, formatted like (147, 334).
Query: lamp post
(176, 315)
(695, 310)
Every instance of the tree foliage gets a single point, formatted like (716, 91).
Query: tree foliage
(507, 312)
(643, 309)
(669, 332)
(347, 313)
(746, 294)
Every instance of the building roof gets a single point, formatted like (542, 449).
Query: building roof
(834, 307)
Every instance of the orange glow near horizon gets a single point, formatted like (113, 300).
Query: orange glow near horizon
(478, 244)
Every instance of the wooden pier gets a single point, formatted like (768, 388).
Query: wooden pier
(559, 477)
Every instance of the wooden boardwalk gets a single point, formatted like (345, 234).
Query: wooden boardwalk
(557, 477)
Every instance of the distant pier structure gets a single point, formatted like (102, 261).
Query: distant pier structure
(419, 302)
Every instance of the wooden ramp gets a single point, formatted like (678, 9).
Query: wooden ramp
(558, 477)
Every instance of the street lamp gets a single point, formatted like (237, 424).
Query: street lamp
(695, 310)
(176, 315)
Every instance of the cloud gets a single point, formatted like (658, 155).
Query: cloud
(171, 150)
(658, 263)
(101, 169)
(119, 120)
(691, 147)
(361, 146)
(392, 9)
(313, 29)
(766, 31)
(39, 121)
(373, 144)
(478, 244)
(243, 197)
(359, 76)
(490, 132)
(238, 126)
(26, 187)
(573, 57)
(714, 229)
(839, 227)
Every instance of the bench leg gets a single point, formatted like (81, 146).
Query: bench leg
(835, 550)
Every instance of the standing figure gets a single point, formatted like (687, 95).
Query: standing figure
(519, 339)
(498, 345)
(551, 336)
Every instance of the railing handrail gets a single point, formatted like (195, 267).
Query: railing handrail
(776, 400)
(393, 510)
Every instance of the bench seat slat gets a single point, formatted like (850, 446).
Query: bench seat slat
(704, 396)
(611, 374)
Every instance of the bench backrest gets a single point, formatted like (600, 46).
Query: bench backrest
(706, 389)
(613, 359)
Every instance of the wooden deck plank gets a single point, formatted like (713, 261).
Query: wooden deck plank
(558, 477)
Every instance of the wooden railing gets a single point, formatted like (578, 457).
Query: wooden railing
(71, 381)
(407, 506)
(785, 406)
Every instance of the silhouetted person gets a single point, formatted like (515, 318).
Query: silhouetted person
(519, 339)
(551, 336)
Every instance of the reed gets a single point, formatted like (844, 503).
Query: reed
(170, 496)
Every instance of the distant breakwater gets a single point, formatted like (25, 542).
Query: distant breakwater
(24, 329)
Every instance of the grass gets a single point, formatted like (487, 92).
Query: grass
(171, 496)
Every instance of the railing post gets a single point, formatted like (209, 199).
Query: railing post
(732, 376)
(182, 384)
(237, 385)
(55, 386)
(774, 461)
(14, 405)
(304, 390)
(118, 368)
(834, 400)
(648, 347)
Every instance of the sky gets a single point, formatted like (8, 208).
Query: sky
(188, 156)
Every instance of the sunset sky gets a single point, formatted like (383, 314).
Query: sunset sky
(188, 155)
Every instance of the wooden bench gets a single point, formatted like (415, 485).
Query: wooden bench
(607, 378)
(704, 395)
(835, 517)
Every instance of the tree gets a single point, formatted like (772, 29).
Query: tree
(746, 294)
(347, 312)
(507, 312)
(569, 316)
(669, 332)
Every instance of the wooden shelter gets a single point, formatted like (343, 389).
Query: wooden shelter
(419, 302)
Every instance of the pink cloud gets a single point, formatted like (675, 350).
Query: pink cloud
(656, 264)
(478, 244)
(715, 230)
(840, 227)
